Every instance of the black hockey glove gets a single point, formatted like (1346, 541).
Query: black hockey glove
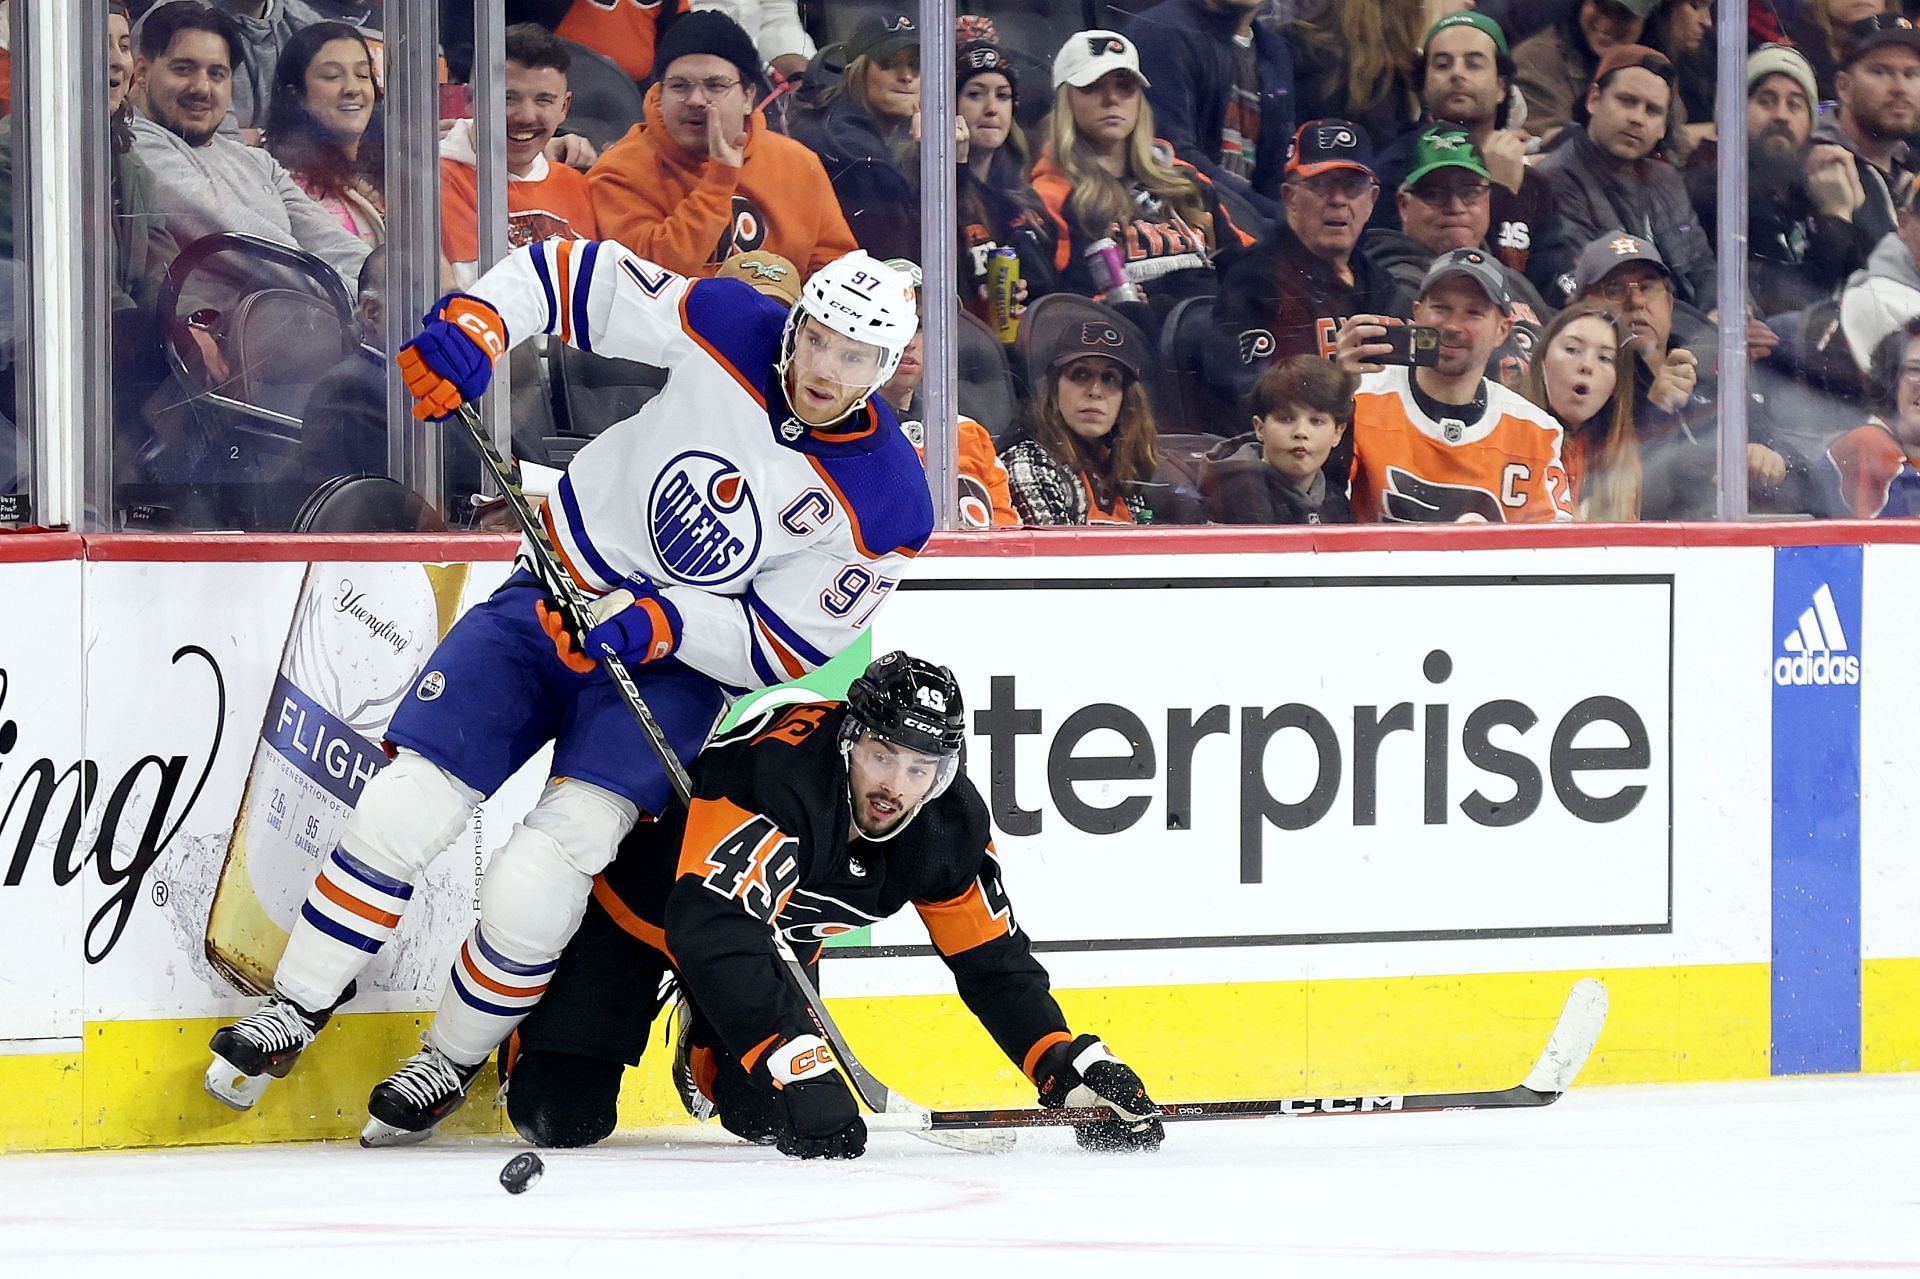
(821, 1120)
(1086, 1073)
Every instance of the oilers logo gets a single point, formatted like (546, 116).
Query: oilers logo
(703, 519)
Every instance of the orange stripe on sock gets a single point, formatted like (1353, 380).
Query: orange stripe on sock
(347, 902)
(481, 979)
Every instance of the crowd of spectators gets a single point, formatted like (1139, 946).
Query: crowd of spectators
(1297, 260)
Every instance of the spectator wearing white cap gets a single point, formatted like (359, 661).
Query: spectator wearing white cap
(1105, 175)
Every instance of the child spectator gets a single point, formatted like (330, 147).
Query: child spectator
(1301, 407)
(1105, 175)
(325, 125)
(866, 134)
(1087, 453)
(544, 200)
(703, 177)
(1877, 466)
(998, 206)
(1580, 376)
(1357, 60)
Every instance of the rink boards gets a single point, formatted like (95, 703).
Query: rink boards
(1284, 812)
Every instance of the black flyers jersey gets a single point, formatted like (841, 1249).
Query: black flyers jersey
(765, 844)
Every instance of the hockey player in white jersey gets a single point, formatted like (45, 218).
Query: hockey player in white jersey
(738, 531)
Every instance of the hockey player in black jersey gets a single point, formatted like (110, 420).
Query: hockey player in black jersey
(814, 819)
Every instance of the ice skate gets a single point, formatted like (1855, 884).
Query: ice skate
(680, 1021)
(406, 1106)
(260, 1048)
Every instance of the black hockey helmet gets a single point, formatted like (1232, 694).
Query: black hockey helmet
(911, 703)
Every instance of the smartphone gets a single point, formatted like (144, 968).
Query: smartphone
(456, 102)
(1417, 345)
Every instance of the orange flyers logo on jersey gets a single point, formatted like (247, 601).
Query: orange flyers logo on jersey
(1409, 467)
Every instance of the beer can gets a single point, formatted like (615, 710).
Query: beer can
(1109, 272)
(1003, 286)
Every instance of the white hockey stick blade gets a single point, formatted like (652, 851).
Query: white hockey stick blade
(1573, 1038)
(902, 1115)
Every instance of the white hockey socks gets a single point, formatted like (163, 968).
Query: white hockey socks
(487, 995)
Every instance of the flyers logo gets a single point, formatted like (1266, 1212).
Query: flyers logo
(1095, 333)
(1334, 137)
(1097, 45)
(985, 59)
(1412, 500)
(1256, 344)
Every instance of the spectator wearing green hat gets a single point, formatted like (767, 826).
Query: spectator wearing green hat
(1445, 203)
(1466, 80)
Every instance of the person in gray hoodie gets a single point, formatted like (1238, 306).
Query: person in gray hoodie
(262, 29)
(205, 182)
(1883, 295)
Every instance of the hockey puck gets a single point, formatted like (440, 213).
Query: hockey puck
(520, 1172)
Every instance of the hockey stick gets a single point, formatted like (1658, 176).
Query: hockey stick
(573, 607)
(573, 604)
(1560, 1061)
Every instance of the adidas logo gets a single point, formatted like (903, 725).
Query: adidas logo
(1815, 651)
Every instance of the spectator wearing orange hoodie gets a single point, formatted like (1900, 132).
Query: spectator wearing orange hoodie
(544, 200)
(703, 177)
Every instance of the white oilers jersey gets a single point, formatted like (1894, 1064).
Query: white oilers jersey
(776, 541)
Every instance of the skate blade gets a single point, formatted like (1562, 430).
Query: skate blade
(378, 1135)
(232, 1087)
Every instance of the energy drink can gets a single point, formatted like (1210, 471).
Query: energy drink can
(1109, 273)
(1003, 285)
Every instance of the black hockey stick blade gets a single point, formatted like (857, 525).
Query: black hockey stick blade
(573, 604)
(1568, 1046)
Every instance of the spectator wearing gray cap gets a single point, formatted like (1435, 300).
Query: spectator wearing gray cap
(1441, 442)
(1800, 195)
(1606, 174)
(1878, 86)
(866, 133)
(1554, 66)
(1675, 395)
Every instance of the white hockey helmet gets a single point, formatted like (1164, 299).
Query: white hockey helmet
(860, 297)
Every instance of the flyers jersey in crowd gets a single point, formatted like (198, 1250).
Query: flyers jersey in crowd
(1410, 467)
(765, 844)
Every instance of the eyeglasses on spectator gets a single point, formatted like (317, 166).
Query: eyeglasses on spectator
(1646, 286)
(1348, 183)
(712, 86)
(1437, 195)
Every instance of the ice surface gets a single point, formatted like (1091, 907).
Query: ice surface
(1795, 1177)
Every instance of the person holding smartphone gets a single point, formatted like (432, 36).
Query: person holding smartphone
(1440, 442)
